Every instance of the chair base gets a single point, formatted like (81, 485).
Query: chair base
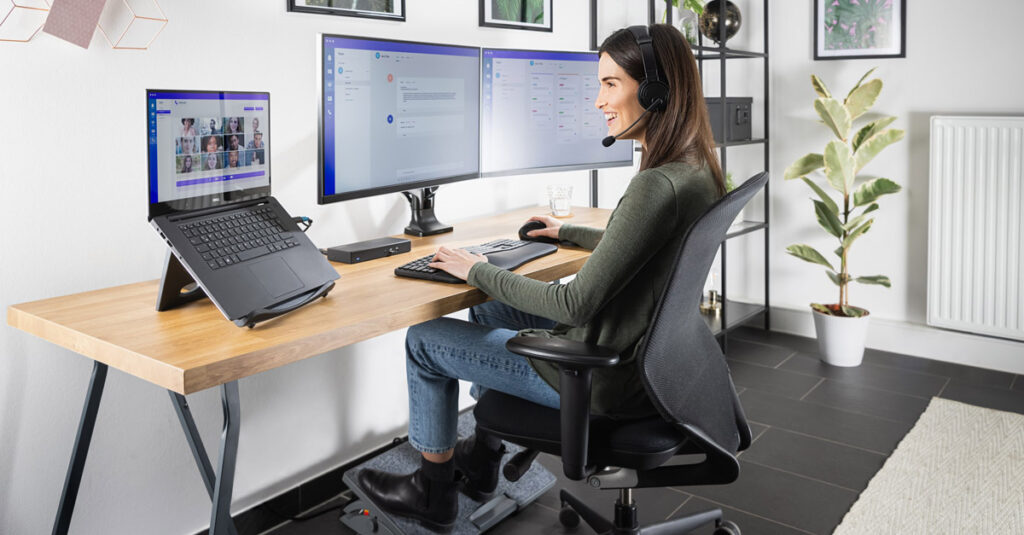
(626, 519)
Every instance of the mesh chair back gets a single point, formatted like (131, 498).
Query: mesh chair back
(681, 363)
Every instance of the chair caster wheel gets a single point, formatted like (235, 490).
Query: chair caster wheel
(568, 517)
(727, 527)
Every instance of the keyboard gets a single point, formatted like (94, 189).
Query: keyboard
(234, 238)
(506, 254)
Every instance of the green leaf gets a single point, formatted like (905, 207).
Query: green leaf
(855, 233)
(852, 224)
(874, 144)
(834, 277)
(806, 164)
(809, 254)
(819, 87)
(871, 190)
(869, 130)
(862, 98)
(839, 251)
(853, 312)
(862, 78)
(834, 115)
(822, 308)
(839, 166)
(880, 280)
(828, 219)
(824, 196)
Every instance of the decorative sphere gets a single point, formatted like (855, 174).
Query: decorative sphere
(709, 23)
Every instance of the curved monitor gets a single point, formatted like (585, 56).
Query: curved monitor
(396, 115)
(539, 114)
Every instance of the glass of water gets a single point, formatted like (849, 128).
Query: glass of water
(560, 199)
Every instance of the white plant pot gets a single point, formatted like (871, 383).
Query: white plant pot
(841, 339)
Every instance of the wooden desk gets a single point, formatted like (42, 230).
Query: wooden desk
(194, 347)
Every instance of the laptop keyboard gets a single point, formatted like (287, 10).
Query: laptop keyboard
(237, 237)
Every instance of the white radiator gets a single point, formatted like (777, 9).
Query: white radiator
(975, 226)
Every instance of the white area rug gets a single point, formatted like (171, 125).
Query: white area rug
(959, 470)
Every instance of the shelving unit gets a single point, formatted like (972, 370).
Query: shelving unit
(733, 313)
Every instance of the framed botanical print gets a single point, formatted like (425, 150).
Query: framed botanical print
(517, 14)
(854, 29)
(370, 9)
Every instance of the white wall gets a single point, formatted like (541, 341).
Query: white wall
(956, 63)
(73, 190)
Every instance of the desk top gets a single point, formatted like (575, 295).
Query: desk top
(193, 347)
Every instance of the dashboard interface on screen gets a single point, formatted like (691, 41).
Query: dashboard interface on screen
(397, 114)
(206, 143)
(538, 112)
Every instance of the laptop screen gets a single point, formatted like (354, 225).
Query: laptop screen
(206, 148)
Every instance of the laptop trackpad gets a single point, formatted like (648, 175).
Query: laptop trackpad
(276, 276)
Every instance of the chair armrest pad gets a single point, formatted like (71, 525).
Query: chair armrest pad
(563, 352)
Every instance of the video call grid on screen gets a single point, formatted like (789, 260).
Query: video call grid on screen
(396, 114)
(538, 112)
(206, 143)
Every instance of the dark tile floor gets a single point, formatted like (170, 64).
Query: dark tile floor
(821, 433)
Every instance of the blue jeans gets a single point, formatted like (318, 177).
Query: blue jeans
(442, 351)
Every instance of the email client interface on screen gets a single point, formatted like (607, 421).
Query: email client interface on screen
(397, 113)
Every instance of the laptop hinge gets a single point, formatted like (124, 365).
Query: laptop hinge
(214, 209)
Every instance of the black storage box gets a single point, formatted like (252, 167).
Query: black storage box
(738, 119)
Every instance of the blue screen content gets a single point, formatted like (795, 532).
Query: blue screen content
(207, 143)
(538, 112)
(397, 113)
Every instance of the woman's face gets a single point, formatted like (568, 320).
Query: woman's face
(211, 144)
(211, 161)
(186, 145)
(617, 99)
(233, 123)
(186, 165)
(255, 124)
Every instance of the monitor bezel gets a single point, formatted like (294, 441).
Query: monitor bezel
(381, 190)
(212, 200)
(549, 168)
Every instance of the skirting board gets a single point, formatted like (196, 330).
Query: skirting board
(919, 341)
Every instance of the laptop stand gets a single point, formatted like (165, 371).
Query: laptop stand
(177, 287)
(474, 517)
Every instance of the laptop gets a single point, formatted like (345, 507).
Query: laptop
(209, 198)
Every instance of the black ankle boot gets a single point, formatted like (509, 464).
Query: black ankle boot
(428, 495)
(480, 464)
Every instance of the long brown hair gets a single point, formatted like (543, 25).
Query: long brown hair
(682, 132)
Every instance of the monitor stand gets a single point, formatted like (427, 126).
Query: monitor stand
(423, 221)
(177, 287)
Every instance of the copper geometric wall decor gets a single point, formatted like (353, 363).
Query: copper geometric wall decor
(23, 20)
(131, 25)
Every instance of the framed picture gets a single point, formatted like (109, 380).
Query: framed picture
(516, 14)
(855, 29)
(370, 9)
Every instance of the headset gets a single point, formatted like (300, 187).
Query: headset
(652, 88)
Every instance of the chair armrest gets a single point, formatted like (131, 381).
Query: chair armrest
(563, 352)
(575, 361)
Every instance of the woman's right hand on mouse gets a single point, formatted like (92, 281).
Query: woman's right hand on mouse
(552, 226)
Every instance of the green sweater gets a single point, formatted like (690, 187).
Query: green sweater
(612, 299)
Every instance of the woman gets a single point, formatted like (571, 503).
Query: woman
(610, 301)
(187, 130)
(233, 126)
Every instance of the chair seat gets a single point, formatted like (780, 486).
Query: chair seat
(640, 444)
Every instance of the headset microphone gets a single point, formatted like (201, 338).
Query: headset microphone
(607, 142)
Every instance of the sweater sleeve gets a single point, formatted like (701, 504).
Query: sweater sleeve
(639, 229)
(585, 237)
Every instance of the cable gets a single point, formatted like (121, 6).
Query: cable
(312, 514)
(303, 222)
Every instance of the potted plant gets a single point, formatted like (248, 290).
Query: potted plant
(688, 15)
(841, 327)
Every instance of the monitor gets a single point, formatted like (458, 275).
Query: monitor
(206, 148)
(396, 115)
(539, 115)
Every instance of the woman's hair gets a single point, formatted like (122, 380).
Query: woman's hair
(682, 131)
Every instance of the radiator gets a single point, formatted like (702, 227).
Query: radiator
(975, 227)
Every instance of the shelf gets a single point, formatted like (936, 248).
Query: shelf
(713, 52)
(744, 227)
(738, 313)
(757, 141)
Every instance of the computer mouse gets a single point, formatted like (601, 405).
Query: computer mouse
(534, 225)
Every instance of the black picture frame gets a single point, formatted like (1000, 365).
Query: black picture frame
(295, 6)
(548, 25)
(821, 31)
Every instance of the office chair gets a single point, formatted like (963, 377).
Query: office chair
(686, 378)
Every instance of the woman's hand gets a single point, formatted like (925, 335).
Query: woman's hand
(456, 261)
(551, 231)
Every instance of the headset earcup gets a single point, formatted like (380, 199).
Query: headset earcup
(650, 91)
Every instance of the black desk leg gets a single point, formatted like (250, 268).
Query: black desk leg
(220, 517)
(195, 443)
(81, 449)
